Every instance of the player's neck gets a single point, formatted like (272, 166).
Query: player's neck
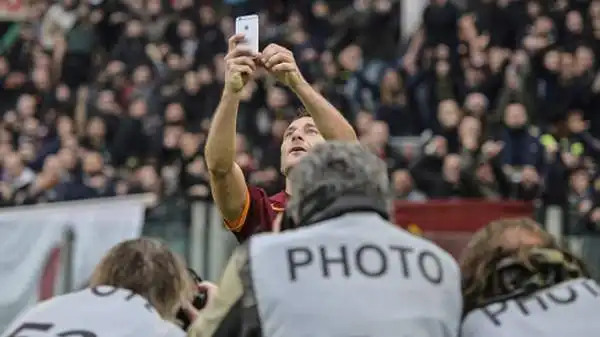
(288, 187)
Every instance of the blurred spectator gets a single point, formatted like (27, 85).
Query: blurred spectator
(403, 186)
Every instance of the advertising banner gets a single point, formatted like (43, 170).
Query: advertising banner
(451, 223)
(32, 242)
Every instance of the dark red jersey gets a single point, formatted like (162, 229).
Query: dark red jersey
(258, 214)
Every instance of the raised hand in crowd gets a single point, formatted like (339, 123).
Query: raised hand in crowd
(530, 177)
(491, 149)
(439, 146)
(519, 58)
(240, 64)
(409, 63)
(595, 216)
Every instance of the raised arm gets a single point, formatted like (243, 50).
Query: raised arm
(331, 123)
(227, 181)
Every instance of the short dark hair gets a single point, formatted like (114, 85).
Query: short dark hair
(300, 113)
(292, 116)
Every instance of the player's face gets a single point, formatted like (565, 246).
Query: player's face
(298, 139)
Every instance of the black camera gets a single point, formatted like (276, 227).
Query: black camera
(287, 222)
(198, 302)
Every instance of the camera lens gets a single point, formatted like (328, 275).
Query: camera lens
(246, 27)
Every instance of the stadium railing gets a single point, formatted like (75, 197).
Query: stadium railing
(448, 223)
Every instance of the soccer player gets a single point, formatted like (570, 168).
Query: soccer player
(246, 209)
(342, 269)
(136, 290)
(517, 281)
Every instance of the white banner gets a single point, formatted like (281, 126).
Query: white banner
(31, 240)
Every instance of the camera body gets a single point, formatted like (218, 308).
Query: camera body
(198, 302)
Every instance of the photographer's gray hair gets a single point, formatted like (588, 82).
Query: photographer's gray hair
(343, 168)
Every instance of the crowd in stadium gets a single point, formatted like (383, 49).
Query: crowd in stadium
(105, 98)
(494, 101)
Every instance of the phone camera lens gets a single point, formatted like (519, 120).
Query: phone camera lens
(246, 27)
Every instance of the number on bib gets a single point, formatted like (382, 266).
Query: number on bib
(45, 327)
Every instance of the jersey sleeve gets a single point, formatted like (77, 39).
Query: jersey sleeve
(257, 215)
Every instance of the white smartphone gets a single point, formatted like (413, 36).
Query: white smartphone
(248, 25)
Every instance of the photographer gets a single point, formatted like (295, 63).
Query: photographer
(517, 279)
(339, 267)
(136, 290)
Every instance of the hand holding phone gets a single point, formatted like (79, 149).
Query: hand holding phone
(240, 64)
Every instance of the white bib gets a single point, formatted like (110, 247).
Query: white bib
(567, 309)
(94, 312)
(354, 276)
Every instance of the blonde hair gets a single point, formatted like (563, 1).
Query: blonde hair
(476, 261)
(148, 268)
